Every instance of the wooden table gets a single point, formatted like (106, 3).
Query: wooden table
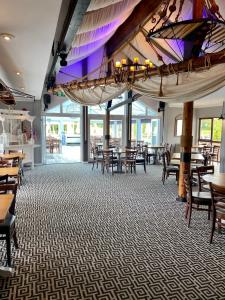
(194, 156)
(9, 156)
(5, 203)
(216, 178)
(11, 171)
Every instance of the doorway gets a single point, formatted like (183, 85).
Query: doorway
(62, 139)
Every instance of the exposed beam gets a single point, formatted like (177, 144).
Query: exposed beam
(139, 15)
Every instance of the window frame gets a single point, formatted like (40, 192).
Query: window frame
(177, 118)
(212, 126)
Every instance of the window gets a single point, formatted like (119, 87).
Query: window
(210, 129)
(178, 125)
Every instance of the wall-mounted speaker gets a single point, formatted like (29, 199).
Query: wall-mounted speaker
(161, 106)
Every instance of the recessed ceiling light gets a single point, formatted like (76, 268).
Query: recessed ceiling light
(18, 73)
(7, 36)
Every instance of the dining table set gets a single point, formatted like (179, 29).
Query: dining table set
(10, 167)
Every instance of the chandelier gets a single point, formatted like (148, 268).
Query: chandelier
(125, 70)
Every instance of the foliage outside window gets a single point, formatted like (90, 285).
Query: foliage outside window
(178, 126)
(210, 129)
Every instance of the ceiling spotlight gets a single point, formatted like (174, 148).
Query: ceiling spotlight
(7, 36)
(18, 73)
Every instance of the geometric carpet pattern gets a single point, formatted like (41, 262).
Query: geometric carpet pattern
(84, 235)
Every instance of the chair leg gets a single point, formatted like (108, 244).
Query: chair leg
(209, 212)
(145, 167)
(213, 228)
(15, 239)
(189, 215)
(8, 249)
(163, 177)
(186, 210)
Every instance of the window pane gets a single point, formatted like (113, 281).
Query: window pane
(217, 130)
(53, 110)
(134, 130)
(205, 129)
(70, 107)
(179, 124)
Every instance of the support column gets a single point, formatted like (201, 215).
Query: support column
(185, 148)
(84, 120)
(128, 120)
(186, 138)
(107, 124)
(222, 148)
(84, 133)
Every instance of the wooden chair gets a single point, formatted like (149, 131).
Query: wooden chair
(168, 169)
(196, 200)
(108, 161)
(201, 171)
(130, 160)
(218, 208)
(8, 228)
(97, 156)
(215, 153)
(141, 157)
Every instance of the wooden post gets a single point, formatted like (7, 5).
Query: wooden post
(128, 121)
(107, 124)
(186, 138)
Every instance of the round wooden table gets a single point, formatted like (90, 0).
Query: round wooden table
(216, 178)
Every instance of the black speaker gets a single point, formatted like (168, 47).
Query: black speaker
(161, 106)
(46, 100)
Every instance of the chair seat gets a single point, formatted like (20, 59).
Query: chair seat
(172, 168)
(9, 220)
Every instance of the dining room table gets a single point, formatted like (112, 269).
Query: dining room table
(9, 156)
(194, 156)
(10, 171)
(6, 201)
(216, 178)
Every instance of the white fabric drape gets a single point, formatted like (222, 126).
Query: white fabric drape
(97, 4)
(99, 33)
(95, 19)
(192, 86)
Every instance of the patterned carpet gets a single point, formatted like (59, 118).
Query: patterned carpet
(84, 235)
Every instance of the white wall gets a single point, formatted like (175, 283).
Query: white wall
(172, 112)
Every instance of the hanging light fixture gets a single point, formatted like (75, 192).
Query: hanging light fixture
(124, 70)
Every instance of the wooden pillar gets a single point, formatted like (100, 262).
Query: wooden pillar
(84, 133)
(84, 122)
(107, 124)
(128, 120)
(186, 138)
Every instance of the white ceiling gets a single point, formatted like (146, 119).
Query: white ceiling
(33, 23)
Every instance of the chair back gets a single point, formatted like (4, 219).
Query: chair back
(131, 154)
(167, 157)
(107, 155)
(163, 156)
(216, 149)
(188, 186)
(201, 171)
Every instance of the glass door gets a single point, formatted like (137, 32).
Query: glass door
(116, 133)
(96, 132)
(62, 139)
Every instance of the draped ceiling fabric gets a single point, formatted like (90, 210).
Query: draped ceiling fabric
(191, 86)
(100, 22)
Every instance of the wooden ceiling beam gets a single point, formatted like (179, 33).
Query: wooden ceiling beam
(139, 15)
